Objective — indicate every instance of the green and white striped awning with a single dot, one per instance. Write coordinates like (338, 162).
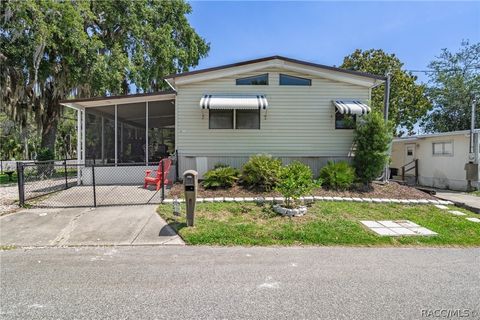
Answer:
(223, 101)
(351, 107)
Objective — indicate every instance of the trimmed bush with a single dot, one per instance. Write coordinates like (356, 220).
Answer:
(220, 165)
(221, 177)
(296, 180)
(45, 154)
(337, 175)
(262, 172)
(372, 141)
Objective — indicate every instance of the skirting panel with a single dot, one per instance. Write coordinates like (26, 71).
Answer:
(190, 162)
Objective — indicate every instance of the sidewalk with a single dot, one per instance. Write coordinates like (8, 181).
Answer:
(461, 199)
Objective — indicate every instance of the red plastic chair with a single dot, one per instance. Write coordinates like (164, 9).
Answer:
(157, 179)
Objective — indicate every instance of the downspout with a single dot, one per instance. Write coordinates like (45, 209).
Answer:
(386, 105)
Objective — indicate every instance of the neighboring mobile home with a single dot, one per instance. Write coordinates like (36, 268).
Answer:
(441, 158)
(292, 109)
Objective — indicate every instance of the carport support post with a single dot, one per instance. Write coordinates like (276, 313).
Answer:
(146, 133)
(21, 184)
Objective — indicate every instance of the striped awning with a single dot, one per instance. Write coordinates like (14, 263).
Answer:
(351, 107)
(216, 101)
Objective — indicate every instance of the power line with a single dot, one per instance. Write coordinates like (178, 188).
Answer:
(448, 70)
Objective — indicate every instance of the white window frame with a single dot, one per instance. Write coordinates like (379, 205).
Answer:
(443, 143)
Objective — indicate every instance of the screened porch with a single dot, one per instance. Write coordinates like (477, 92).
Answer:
(125, 134)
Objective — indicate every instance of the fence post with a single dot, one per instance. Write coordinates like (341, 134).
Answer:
(66, 174)
(163, 179)
(21, 184)
(93, 183)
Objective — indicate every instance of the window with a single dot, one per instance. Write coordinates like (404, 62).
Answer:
(409, 151)
(220, 119)
(247, 119)
(286, 80)
(442, 148)
(224, 119)
(260, 80)
(345, 121)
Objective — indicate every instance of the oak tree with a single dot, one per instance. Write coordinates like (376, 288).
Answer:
(52, 50)
(408, 102)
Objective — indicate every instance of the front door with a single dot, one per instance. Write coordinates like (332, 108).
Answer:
(409, 153)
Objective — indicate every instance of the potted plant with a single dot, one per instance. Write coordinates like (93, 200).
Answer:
(296, 181)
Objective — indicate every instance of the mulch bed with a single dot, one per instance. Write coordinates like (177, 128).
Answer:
(391, 190)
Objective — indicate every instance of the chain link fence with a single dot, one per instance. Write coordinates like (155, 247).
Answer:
(63, 184)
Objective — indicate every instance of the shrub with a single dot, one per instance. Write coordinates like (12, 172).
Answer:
(45, 154)
(45, 169)
(337, 175)
(221, 177)
(261, 171)
(372, 141)
(220, 165)
(296, 180)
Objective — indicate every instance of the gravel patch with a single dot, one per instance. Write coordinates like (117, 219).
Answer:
(8, 196)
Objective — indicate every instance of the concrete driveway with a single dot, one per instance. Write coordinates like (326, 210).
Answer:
(462, 199)
(123, 225)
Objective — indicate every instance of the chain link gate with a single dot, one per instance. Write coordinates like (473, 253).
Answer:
(68, 184)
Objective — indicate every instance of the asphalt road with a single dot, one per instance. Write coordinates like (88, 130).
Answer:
(239, 283)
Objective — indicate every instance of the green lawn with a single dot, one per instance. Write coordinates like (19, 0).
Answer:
(326, 223)
(476, 193)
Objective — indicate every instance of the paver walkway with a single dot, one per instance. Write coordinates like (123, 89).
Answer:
(125, 225)
(465, 200)
(397, 228)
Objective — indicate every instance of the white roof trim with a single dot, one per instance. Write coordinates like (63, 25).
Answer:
(351, 107)
(281, 64)
(225, 101)
(113, 101)
(433, 135)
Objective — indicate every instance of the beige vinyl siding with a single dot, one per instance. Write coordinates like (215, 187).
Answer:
(300, 120)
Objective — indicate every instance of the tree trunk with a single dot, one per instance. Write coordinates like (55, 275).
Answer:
(49, 127)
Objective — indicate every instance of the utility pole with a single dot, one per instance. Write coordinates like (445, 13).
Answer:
(472, 166)
(472, 127)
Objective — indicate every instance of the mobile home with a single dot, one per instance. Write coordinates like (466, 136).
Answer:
(292, 109)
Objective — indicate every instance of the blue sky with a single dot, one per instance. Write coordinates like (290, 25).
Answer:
(325, 32)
